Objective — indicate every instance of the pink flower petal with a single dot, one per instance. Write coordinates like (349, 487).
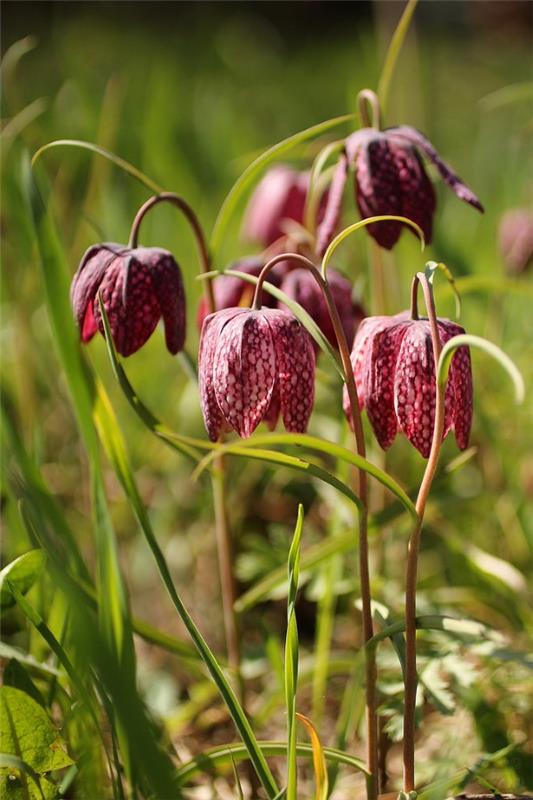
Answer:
(244, 371)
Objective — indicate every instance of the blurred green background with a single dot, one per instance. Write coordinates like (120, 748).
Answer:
(190, 93)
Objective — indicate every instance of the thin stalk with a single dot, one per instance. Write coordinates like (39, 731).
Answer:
(222, 530)
(367, 99)
(364, 572)
(192, 219)
(394, 51)
(414, 541)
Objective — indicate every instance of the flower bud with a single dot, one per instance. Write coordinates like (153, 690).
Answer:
(516, 240)
(280, 196)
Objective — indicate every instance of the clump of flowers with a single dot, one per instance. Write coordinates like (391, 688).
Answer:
(138, 287)
(254, 365)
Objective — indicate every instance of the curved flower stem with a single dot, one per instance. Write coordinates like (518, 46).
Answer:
(368, 99)
(222, 530)
(364, 572)
(414, 541)
(192, 219)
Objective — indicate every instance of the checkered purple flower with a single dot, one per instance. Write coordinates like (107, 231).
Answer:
(390, 178)
(137, 287)
(394, 371)
(254, 365)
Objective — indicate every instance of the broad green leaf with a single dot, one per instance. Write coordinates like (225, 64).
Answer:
(27, 731)
(23, 572)
(18, 781)
(314, 443)
(253, 170)
(15, 675)
(124, 165)
(319, 760)
(221, 756)
(491, 349)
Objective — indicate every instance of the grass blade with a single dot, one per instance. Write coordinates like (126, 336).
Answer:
(124, 165)
(291, 657)
(253, 170)
(319, 760)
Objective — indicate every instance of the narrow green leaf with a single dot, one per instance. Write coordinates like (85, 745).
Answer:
(221, 756)
(393, 52)
(324, 446)
(291, 657)
(124, 165)
(362, 224)
(298, 464)
(23, 572)
(491, 349)
(253, 170)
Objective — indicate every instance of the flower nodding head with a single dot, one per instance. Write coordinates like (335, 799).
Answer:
(394, 371)
(390, 179)
(280, 196)
(138, 287)
(252, 366)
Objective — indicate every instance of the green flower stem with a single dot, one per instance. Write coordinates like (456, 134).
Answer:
(364, 572)
(368, 99)
(414, 541)
(222, 530)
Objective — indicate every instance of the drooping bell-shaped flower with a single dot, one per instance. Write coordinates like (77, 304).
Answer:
(390, 179)
(515, 238)
(230, 291)
(280, 196)
(252, 366)
(300, 286)
(138, 287)
(394, 370)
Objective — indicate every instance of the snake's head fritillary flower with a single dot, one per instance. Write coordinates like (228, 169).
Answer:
(390, 179)
(280, 196)
(516, 240)
(252, 366)
(138, 287)
(300, 286)
(231, 291)
(394, 371)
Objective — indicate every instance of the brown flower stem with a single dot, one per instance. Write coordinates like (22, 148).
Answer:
(368, 99)
(364, 572)
(192, 219)
(223, 534)
(414, 541)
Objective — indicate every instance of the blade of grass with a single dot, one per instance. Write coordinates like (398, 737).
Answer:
(393, 52)
(291, 657)
(253, 170)
(124, 165)
(324, 446)
(221, 756)
(319, 759)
